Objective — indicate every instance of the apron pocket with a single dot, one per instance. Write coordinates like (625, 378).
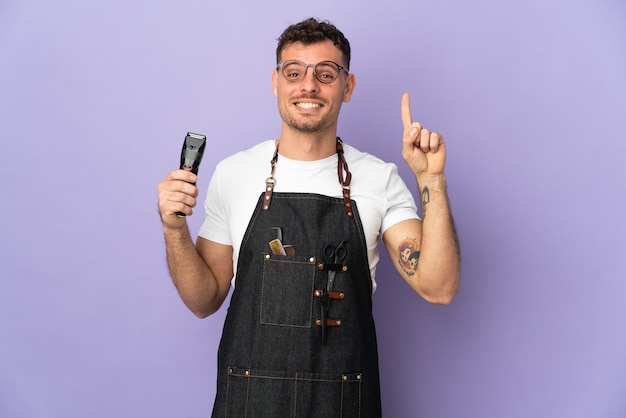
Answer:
(287, 291)
(262, 393)
(328, 395)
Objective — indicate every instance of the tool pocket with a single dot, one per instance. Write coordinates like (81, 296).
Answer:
(287, 291)
(262, 393)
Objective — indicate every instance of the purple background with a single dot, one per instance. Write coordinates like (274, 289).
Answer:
(95, 100)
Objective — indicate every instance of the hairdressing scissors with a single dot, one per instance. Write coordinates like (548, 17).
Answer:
(334, 257)
(333, 262)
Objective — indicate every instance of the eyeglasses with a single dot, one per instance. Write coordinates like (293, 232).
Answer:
(325, 72)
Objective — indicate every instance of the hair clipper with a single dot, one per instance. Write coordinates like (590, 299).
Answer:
(191, 154)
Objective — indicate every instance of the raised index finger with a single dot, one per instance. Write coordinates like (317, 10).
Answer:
(405, 110)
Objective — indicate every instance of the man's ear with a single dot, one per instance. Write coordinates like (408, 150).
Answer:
(275, 82)
(349, 89)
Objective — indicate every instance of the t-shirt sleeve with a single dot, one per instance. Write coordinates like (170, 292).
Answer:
(215, 226)
(400, 201)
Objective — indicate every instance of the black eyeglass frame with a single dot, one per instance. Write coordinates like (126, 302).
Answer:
(281, 67)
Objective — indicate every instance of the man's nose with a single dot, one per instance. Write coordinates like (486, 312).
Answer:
(309, 82)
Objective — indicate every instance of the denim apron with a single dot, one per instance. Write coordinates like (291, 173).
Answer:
(292, 346)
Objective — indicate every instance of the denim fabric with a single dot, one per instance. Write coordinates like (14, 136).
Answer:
(271, 360)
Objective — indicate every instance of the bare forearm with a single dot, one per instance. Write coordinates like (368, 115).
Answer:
(439, 263)
(191, 276)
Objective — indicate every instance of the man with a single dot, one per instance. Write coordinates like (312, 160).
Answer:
(300, 233)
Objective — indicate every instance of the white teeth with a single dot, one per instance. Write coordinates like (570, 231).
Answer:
(308, 105)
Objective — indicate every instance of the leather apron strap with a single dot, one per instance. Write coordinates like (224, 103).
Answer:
(342, 166)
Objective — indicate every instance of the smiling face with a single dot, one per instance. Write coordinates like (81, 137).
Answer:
(310, 106)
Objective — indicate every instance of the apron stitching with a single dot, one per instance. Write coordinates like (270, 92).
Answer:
(247, 394)
(295, 396)
(227, 395)
(341, 400)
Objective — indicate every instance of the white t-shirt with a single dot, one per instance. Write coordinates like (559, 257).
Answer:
(382, 198)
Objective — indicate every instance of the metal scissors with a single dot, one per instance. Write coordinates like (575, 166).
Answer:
(334, 257)
(333, 262)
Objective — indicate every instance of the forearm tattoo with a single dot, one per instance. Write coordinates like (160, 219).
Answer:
(409, 254)
(425, 200)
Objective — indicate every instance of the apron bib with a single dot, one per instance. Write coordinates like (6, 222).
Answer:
(293, 345)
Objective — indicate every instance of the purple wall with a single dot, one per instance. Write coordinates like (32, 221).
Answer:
(531, 97)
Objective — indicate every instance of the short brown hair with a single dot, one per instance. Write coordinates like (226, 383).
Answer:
(311, 31)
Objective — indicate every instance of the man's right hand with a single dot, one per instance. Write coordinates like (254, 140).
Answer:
(177, 193)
